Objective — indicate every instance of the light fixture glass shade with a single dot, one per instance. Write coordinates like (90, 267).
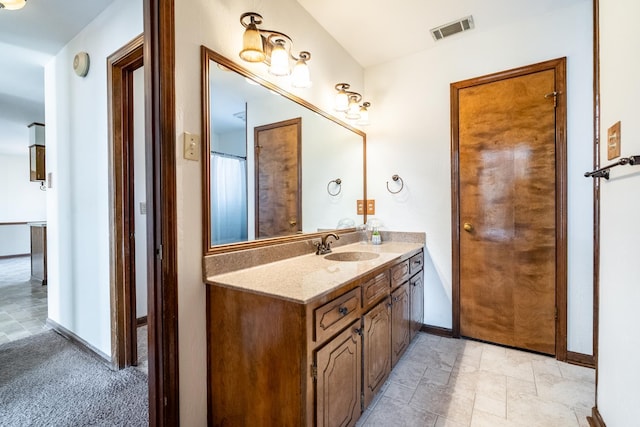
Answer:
(12, 4)
(341, 102)
(252, 50)
(300, 76)
(353, 112)
(279, 60)
(364, 116)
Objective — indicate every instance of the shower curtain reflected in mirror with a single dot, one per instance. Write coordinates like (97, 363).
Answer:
(228, 199)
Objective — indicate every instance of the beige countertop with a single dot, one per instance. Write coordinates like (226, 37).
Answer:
(304, 278)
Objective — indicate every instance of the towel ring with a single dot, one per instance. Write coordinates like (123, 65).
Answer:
(396, 177)
(338, 183)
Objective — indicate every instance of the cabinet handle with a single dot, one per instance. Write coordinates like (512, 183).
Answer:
(343, 310)
(359, 331)
(396, 299)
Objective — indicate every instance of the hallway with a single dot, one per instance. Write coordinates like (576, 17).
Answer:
(23, 303)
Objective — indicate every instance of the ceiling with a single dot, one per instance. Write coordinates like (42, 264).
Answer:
(372, 31)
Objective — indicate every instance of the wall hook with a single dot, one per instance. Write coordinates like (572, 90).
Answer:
(396, 177)
(338, 183)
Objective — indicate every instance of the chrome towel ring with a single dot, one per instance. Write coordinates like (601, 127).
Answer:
(396, 177)
(338, 183)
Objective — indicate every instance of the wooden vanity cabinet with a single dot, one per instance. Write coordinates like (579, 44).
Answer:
(339, 379)
(273, 361)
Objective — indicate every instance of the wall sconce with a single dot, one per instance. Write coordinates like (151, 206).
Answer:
(348, 102)
(12, 4)
(274, 49)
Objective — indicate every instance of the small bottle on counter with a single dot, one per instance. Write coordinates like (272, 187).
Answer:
(375, 236)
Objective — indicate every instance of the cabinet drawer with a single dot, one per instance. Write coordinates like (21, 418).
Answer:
(336, 314)
(399, 273)
(415, 263)
(375, 288)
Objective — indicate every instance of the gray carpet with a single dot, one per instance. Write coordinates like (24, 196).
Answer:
(47, 381)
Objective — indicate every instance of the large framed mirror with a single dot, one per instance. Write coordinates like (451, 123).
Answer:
(275, 167)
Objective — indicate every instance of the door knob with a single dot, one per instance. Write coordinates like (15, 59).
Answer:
(292, 222)
(467, 227)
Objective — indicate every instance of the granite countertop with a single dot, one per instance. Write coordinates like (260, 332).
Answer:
(307, 277)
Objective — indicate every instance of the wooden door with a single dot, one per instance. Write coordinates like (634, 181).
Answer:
(400, 322)
(278, 178)
(510, 200)
(339, 380)
(377, 349)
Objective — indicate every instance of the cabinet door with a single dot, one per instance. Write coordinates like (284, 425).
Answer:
(339, 379)
(417, 303)
(377, 349)
(400, 322)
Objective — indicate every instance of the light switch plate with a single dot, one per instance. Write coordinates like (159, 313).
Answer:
(360, 207)
(191, 146)
(613, 141)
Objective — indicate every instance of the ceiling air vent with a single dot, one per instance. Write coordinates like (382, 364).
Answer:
(452, 28)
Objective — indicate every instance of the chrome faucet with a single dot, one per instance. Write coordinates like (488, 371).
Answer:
(324, 247)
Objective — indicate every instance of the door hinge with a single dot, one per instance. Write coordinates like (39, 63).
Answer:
(314, 372)
(159, 252)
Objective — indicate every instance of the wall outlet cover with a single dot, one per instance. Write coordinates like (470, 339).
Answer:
(360, 207)
(614, 138)
(371, 207)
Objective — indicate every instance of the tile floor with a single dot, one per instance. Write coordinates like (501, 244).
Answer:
(23, 303)
(454, 382)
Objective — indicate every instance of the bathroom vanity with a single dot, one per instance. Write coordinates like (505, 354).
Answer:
(310, 340)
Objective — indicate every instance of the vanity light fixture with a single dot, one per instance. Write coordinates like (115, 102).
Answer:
(12, 4)
(348, 102)
(274, 49)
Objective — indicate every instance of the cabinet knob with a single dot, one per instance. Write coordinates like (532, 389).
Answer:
(343, 310)
(359, 331)
(467, 227)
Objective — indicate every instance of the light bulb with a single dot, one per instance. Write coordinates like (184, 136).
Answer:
(300, 75)
(279, 59)
(252, 49)
(353, 112)
(342, 101)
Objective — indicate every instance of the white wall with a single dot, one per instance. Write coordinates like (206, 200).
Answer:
(619, 342)
(140, 192)
(215, 24)
(78, 158)
(20, 201)
(415, 143)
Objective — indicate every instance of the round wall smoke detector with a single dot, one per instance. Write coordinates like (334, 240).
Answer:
(81, 64)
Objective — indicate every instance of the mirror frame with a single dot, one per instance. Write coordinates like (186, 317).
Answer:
(208, 55)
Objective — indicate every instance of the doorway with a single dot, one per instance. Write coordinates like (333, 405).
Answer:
(278, 178)
(128, 206)
(509, 208)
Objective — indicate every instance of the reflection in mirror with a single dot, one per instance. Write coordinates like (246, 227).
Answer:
(270, 159)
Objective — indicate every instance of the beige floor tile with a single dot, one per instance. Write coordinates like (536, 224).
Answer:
(568, 392)
(492, 385)
(497, 407)
(389, 412)
(399, 392)
(438, 400)
(483, 419)
(520, 388)
(445, 422)
(536, 412)
(546, 366)
(508, 366)
(577, 373)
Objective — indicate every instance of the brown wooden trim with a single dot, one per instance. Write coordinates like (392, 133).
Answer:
(17, 223)
(595, 420)
(596, 184)
(210, 55)
(81, 343)
(120, 68)
(162, 243)
(559, 67)
(141, 321)
(581, 359)
(437, 330)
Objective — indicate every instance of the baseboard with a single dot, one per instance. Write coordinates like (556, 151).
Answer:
(437, 330)
(14, 256)
(581, 359)
(595, 420)
(141, 321)
(82, 344)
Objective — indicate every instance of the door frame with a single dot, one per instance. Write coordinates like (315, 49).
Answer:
(559, 68)
(120, 68)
